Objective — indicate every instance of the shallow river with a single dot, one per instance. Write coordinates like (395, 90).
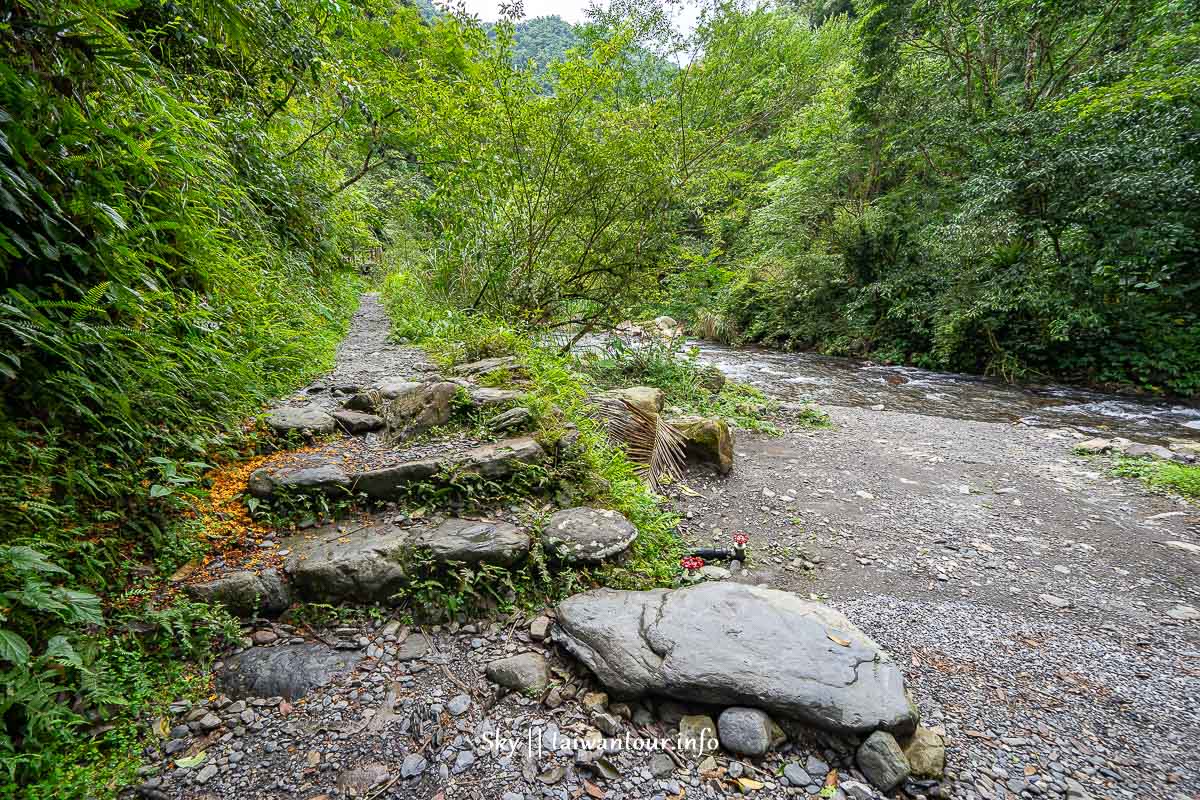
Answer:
(846, 382)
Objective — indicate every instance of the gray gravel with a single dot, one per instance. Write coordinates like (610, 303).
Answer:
(1025, 592)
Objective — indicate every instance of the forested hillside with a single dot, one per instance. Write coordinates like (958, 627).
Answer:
(997, 187)
(189, 189)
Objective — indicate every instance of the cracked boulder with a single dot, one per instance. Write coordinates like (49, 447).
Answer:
(734, 644)
(357, 421)
(587, 535)
(417, 407)
(328, 479)
(474, 542)
(288, 671)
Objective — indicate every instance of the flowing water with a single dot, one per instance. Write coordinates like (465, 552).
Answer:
(847, 382)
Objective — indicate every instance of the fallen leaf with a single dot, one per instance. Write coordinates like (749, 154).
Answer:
(194, 761)
(593, 790)
(689, 491)
(606, 769)
(749, 784)
(832, 778)
(162, 728)
(838, 640)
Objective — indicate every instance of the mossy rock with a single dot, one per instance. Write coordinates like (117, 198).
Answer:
(708, 440)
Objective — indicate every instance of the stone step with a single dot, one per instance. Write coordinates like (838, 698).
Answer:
(372, 561)
(336, 474)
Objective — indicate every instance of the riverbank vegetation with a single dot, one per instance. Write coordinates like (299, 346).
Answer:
(187, 191)
(1167, 476)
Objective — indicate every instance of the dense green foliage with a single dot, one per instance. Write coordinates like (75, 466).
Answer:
(999, 187)
(1180, 479)
(180, 200)
(1006, 188)
(542, 41)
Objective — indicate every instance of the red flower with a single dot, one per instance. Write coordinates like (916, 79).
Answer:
(740, 538)
(691, 563)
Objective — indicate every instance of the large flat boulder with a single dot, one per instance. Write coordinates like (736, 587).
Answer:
(734, 644)
(484, 397)
(501, 460)
(289, 671)
(328, 565)
(357, 421)
(304, 420)
(388, 482)
(587, 535)
(490, 366)
(245, 592)
(649, 399)
(474, 542)
(498, 460)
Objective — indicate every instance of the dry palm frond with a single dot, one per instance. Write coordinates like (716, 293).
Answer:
(653, 444)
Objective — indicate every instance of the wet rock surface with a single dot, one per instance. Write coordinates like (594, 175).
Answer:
(246, 592)
(333, 564)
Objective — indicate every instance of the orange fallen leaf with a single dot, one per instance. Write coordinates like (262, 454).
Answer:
(838, 640)
(593, 790)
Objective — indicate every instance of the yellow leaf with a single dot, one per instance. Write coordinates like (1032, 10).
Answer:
(749, 784)
(838, 640)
